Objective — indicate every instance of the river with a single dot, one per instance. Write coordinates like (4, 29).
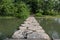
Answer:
(51, 26)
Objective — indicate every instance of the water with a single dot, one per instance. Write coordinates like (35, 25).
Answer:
(8, 26)
(51, 26)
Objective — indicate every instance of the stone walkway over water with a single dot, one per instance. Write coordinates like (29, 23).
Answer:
(30, 30)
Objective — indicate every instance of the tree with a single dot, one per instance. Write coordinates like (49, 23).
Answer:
(23, 10)
(46, 6)
(32, 5)
(7, 7)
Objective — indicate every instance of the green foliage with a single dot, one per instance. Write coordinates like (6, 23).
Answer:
(49, 7)
(38, 14)
(7, 7)
(40, 11)
(52, 12)
(23, 10)
(18, 9)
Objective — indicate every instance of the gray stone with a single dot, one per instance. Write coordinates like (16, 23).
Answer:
(22, 28)
(17, 34)
(31, 29)
(34, 35)
(40, 31)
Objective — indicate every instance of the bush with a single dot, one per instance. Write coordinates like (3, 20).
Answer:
(17, 9)
(52, 12)
(40, 11)
(23, 10)
(7, 8)
(38, 14)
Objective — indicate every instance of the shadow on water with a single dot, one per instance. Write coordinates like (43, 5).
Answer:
(54, 35)
(51, 26)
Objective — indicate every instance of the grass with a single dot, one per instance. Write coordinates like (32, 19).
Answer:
(8, 25)
(48, 16)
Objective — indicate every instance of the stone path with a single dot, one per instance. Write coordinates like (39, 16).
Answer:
(30, 29)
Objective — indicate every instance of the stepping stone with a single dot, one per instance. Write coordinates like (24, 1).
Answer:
(25, 25)
(18, 34)
(22, 28)
(34, 30)
(34, 35)
(27, 22)
(45, 36)
(40, 31)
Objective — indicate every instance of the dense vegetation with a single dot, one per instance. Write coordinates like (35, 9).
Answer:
(14, 8)
(23, 8)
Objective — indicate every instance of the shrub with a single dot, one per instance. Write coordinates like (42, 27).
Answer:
(38, 14)
(52, 12)
(40, 11)
(23, 10)
(7, 8)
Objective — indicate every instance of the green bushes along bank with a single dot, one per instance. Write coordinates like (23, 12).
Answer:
(23, 8)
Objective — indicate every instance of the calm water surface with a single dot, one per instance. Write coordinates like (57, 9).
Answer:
(51, 26)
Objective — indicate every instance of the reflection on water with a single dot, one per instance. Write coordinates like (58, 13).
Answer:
(55, 35)
(51, 26)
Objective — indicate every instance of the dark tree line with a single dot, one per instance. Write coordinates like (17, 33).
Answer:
(23, 8)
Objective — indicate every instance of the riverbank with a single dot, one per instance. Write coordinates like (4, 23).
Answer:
(48, 16)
